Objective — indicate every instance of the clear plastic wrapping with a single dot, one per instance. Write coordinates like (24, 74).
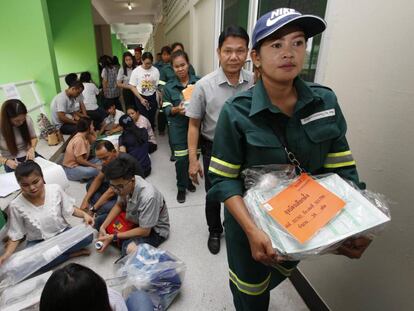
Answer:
(155, 271)
(365, 212)
(27, 261)
(25, 295)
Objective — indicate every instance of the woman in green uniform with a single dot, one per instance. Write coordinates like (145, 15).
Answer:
(174, 106)
(281, 114)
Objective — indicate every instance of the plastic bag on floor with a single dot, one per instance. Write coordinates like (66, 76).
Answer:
(365, 213)
(155, 271)
(25, 295)
(27, 261)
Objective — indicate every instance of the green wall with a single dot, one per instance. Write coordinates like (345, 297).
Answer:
(26, 51)
(73, 36)
(117, 47)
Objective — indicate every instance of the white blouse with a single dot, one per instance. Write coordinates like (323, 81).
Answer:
(40, 222)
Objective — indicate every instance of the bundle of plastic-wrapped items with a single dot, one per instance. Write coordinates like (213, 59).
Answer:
(287, 207)
(28, 261)
(153, 270)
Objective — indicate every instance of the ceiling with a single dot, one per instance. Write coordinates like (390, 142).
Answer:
(131, 26)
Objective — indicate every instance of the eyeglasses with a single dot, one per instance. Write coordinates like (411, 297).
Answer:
(120, 187)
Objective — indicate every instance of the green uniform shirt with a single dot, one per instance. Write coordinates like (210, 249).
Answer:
(173, 96)
(167, 73)
(245, 137)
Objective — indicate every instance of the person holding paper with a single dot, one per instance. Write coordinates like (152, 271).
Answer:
(174, 105)
(40, 212)
(18, 138)
(281, 120)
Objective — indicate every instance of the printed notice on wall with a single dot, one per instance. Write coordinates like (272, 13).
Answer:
(304, 207)
(11, 91)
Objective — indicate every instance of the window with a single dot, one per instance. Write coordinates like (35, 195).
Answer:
(235, 12)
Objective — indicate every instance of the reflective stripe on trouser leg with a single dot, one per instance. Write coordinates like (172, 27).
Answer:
(250, 281)
(181, 166)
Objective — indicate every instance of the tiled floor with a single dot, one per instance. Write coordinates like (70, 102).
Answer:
(205, 285)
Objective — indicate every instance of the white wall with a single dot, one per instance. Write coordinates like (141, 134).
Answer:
(367, 58)
(191, 22)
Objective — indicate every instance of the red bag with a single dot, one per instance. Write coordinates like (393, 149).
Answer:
(120, 224)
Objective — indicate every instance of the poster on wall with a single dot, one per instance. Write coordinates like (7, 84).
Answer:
(11, 91)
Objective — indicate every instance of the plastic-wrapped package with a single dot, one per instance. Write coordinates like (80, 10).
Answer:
(27, 261)
(364, 214)
(153, 270)
(25, 295)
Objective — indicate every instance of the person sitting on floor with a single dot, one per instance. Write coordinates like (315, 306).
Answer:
(66, 108)
(141, 205)
(100, 198)
(143, 122)
(40, 212)
(111, 122)
(76, 162)
(69, 289)
(18, 138)
(90, 91)
(134, 140)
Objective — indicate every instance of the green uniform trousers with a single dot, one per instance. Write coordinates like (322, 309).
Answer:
(181, 165)
(250, 281)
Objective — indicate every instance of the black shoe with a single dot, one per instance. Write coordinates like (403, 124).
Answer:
(191, 186)
(213, 243)
(181, 196)
(172, 159)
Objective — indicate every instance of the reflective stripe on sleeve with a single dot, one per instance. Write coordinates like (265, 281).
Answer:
(223, 168)
(181, 153)
(166, 104)
(247, 288)
(199, 151)
(160, 82)
(339, 159)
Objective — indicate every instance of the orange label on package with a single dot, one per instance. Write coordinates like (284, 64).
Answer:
(188, 91)
(304, 207)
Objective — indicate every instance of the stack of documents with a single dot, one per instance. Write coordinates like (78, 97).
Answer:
(358, 215)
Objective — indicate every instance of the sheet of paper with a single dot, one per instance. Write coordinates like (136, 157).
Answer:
(114, 139)
(357, 216)
(52, 172)
(304, 207)
(11, 91)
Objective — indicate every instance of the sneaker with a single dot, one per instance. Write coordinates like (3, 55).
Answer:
(213, 243)
(191, 186)
(181, 196)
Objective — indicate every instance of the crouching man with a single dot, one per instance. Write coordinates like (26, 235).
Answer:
(140, 214)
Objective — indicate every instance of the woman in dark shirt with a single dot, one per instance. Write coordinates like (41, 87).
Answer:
(134, 141)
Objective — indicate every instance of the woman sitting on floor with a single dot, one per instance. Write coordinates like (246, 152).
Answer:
(134, 141)
(143, 122)
(17, 135)
(76, 163)
(40, 212)
(70, 289)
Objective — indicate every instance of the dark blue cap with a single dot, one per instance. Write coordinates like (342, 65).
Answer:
(278, 18)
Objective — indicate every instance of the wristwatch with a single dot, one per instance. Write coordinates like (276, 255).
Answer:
(115, 237)
(92, 208)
